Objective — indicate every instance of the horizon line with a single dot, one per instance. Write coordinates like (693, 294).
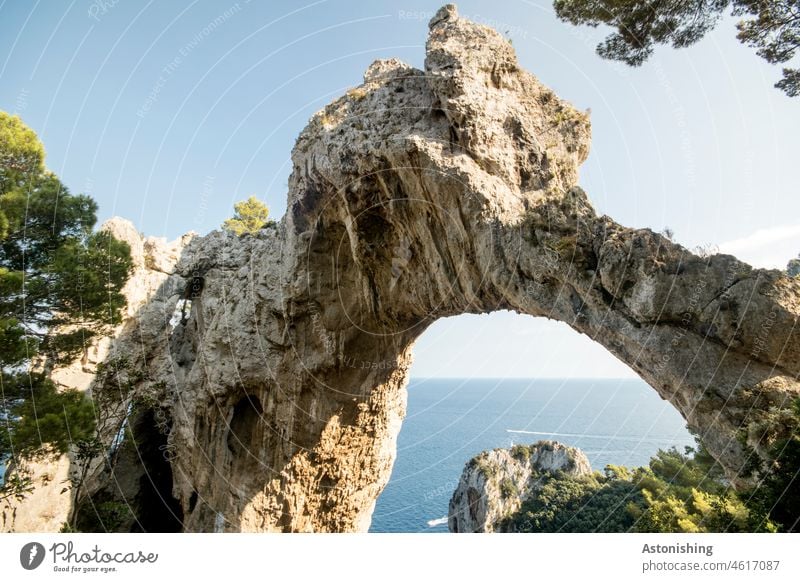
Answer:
(525, 378)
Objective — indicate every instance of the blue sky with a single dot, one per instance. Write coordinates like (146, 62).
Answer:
(168, 113)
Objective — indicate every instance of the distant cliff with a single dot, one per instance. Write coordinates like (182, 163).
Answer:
(494, 484)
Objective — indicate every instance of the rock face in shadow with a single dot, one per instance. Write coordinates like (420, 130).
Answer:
(494, 484)
(269, 371)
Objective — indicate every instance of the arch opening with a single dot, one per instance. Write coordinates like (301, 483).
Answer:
(480, 382)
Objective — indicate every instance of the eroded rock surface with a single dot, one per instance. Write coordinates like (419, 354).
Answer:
(273, 400)
(48, 507)
(494, 484)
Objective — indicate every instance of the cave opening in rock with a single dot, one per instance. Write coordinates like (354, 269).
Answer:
(244, 435)
(480, 382)
(157, 509)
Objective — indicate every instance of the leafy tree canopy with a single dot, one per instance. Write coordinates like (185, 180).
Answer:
(43, 415)
(21, 152)
(778, 492)
(60, 284)
(250, 216)
(677, 492)
(772, 27)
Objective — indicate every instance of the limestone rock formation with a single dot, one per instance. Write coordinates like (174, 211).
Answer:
(49, 505)
(264, 381)
(494, 484)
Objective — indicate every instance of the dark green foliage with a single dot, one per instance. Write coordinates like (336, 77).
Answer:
(790, 84)
(589, 504)
(60, 284)
(687, 493)
(778, 494)
(41, 415)
(71, 275)
(489, 470)
(16, 485)
(522, 452)
(102, 516)
(683, 472)
(641, 25)
(42, 215)
(21, 155)
(772, 27)
(677, 492)
(508, 488)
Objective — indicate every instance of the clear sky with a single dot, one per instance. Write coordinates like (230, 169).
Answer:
(167, 113)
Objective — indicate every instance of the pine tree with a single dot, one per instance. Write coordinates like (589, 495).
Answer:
(250, 216)
(60, 285)
(772, 27)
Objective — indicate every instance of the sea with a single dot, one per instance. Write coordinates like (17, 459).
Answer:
(449, 421)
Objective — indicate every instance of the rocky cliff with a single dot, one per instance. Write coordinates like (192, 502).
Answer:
(263, 383)
(494, 484)
(49, 505)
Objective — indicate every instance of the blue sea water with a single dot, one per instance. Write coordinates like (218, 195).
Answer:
(621, 422)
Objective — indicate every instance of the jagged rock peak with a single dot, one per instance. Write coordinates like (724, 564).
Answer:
(148, 252)
(448, 12)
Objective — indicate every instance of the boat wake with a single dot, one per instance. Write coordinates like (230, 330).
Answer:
(595, 436)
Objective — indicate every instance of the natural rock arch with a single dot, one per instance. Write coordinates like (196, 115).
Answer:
(419, 195)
